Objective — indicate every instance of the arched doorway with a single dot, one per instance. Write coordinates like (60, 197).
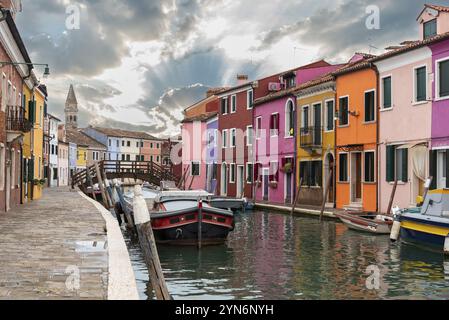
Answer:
(328, 166)
(224, 179)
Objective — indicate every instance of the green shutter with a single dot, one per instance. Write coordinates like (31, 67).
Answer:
(390, 163)
(31, 111)
(387, 92)
(444, 78)
(421, 85)
(404, 177)
(433, 169)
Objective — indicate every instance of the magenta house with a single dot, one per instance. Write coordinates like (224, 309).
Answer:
(275, 133)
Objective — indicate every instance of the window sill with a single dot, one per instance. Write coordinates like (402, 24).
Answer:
(343, 182)
(386, 109)
(344, 126)
(400, 183)
(288, 137)
(329, 131)
(419, 103)
(370, 182)
(369, 122)
(442, 98)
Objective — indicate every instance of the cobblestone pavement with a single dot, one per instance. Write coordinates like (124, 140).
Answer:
(53, 248)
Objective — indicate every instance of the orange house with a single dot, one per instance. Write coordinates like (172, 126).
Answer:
(356, 137)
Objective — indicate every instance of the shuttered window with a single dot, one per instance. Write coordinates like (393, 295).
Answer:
(369, 167)
(330, 115)
(421, 85)
(344, 111)
(369, 106)
(343, 167)
(386, 97)
(224, 106)
(444, 78)
(397, 164)
(430, 28)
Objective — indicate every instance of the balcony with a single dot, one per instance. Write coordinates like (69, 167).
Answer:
(311, 138)
(16, 123)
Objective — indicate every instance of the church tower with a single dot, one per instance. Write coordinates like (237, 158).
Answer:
(71, 110)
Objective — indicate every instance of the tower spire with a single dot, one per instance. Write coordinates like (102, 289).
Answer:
(71, 109)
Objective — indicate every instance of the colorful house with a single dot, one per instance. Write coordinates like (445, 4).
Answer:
(356, 135)
(436, 19)
(52, 168)
(315, 161)
(274, 123)
(212, 155)
(39, 109)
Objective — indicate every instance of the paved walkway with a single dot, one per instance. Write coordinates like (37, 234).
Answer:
(54, 248)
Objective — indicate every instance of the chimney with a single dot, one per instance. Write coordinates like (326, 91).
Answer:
(242, 79)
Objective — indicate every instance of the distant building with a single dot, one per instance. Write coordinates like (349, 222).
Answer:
(52, 168)
(71, 109)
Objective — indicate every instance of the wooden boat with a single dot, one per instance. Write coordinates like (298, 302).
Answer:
(228, 203)
(428, 226)
(375, 224)
(176, 217)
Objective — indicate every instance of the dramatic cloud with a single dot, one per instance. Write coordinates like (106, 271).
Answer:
(137, 64)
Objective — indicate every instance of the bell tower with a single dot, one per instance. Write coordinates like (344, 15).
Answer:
(71, 110)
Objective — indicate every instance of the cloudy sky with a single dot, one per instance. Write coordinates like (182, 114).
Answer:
(136, 64)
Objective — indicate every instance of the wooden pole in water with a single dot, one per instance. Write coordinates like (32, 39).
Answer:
(393, 193)
(101, 185)
(148, 245)
(200, 223)
(326, 192)
(297, 197)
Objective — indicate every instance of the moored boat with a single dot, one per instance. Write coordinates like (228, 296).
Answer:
(376, 224)
(427, 227)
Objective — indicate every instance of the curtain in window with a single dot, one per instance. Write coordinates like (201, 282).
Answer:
(418, 156)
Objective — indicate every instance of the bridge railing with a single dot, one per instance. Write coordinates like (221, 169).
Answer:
(147, 170)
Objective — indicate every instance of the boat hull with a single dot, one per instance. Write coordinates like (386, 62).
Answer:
(360, 223)
(424, 233)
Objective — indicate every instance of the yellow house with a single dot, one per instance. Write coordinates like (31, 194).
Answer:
(81, 157)
(316, 140)
(34, 101)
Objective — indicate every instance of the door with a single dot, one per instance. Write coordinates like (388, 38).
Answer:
(266, 178)
(288, 188)
(356, 177)
(329, 171)
(224, 179)
(442, 169)
(240, 186)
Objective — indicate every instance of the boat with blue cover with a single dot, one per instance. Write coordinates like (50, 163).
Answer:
(427, 226)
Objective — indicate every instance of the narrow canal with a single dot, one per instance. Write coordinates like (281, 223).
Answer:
(274, 256)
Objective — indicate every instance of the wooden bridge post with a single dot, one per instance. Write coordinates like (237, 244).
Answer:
(91, 184)
(148, 245)
(101, 185)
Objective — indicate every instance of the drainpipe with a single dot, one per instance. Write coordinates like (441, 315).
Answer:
(335, 143)
(374, 68)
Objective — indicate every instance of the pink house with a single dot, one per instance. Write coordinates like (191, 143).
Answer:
(194, 133)
(275, 132)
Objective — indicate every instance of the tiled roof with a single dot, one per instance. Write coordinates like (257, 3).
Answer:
(119, 133)
(202, 117)
(326, 78)
(82, 139)
(437, 7)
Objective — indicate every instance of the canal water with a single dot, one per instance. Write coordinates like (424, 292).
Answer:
(274, 256)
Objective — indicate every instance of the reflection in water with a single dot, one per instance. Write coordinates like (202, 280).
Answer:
(272, 256)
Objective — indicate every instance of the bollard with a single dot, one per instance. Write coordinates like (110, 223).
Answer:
(148, 244)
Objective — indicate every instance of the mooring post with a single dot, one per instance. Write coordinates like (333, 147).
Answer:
(200, 223)
(109, 193)
(101, 185)
(148, 244)
(296, 198)
(326, 192)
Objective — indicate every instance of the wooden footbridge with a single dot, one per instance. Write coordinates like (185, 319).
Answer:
(147, 171)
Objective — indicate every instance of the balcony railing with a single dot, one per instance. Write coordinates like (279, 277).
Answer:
(16, 121)
(311, 137)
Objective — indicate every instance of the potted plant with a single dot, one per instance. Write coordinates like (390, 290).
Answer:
(273, 184)
(288, 167)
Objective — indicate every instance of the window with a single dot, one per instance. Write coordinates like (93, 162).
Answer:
(443, 79)
(386, 93)
(421, 84)
(330, 115)
(233, 104)
(397, 164)
(224, 106)
(274, 171)
(344, 111)
(118, 143)
(274, 125)
(232, 173)
(249, 135)
(369, 166)
(290, 82)
(157, 159)
(430, 28)
(225, 139)
(123, 143)
(370, 109)
(305, 117)
(289, 119)
(233, 138)
(311, 173)
(343, 168)
(151, 145)
(249, 173)
(128, 157)
(249, 99)
(157, 145)
(110, 142)
(128, 143)
(137, 144)
(259, 128)
(151, 158)
(195, 169)
(55, 173)
(123, 157)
